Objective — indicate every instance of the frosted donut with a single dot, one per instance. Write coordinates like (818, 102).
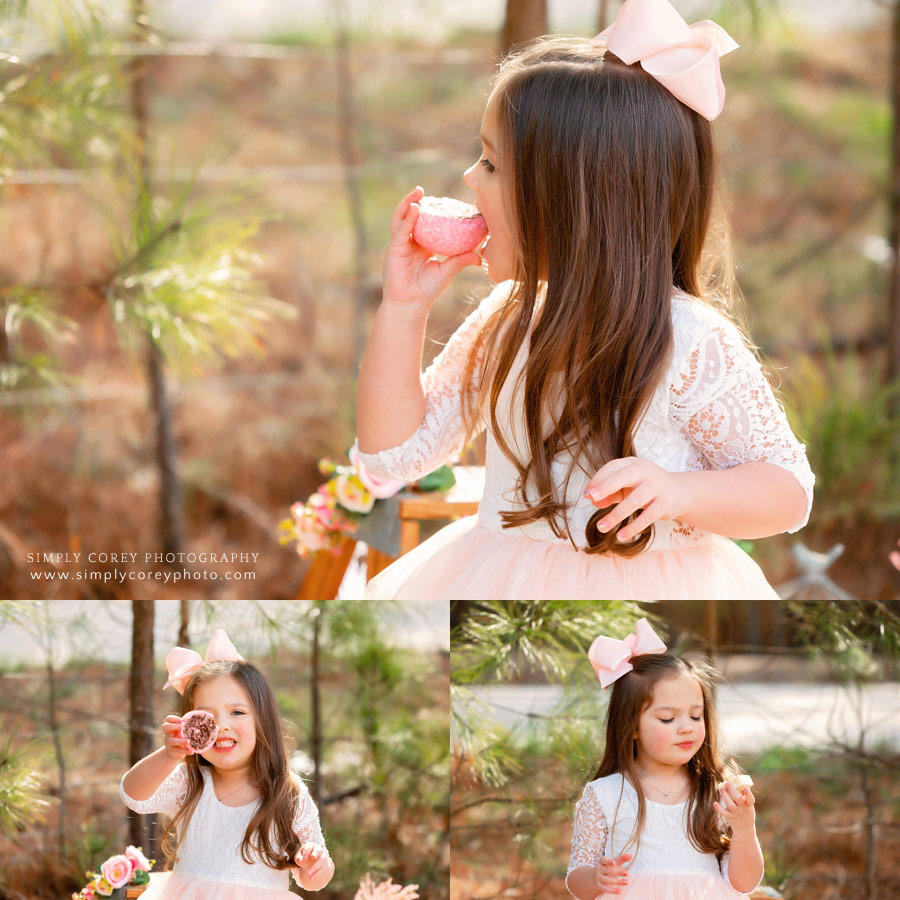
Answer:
(739, 781)
(200, 730)
(448, 227)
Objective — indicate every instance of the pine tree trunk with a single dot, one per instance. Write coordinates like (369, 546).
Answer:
(184, 639)
(525, 20)
(893, 361)
(316, 736)
(346, 130)
(60, 759)
(141, 718)
(603, 15)
(170, 505)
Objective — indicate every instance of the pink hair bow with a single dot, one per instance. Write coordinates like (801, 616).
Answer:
(683, 58)
(181, 663)
(611, 658)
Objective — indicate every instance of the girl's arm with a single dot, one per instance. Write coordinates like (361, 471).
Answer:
(751, 500)
(143, 779)
(314, 865)
(590, 873)
(759, 482)
(390, 401)
(745, 865)
(158, 783)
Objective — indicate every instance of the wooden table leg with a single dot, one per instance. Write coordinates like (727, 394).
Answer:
(376, 562)
(324, 576)
(409, 535)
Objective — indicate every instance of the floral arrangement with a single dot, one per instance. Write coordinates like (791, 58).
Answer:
(130, 867)
(385, 890)
(338, 505)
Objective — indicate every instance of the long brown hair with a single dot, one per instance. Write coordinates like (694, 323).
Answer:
(631, 695)
(610, 185)
(269, 834)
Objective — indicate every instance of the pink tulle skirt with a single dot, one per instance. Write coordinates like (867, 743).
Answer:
(172, 886)
(642, 886)
(466, 561)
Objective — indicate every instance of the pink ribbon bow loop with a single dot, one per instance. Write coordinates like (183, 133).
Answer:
(683, 58)
(181, 663)
(611, 658)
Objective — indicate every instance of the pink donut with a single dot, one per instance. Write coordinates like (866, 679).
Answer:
(200, 730)
(448, 227)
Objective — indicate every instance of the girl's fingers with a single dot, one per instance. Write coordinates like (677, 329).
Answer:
(403, 208)
(641, 523)
(610, 500)
(628, 475)
(614, 465)
(632, 503)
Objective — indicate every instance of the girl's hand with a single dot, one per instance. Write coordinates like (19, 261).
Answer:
(311, 858)
(609, 875)
(177, 747)
(634, 483)
(737, 807)
(409, 276)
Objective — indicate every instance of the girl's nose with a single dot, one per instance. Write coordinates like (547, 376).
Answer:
(468, 176)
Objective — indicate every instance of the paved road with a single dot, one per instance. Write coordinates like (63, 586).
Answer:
(101, 629)
(753, 715)
(432, 20)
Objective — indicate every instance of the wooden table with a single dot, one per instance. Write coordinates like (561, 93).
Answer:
(324, 576)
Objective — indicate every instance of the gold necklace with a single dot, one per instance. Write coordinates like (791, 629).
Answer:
(655, 788)
(240, 787)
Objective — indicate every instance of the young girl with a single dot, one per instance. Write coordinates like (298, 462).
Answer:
(630, 431)
(242, 818)
(652, 823)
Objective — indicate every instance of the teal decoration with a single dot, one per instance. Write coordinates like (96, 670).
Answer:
(441, 479)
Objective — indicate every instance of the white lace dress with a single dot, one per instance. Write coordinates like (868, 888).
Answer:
(666, 866)
(209, 864)
(714, 409)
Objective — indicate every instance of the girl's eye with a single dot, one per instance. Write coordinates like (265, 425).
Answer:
(237, 712)
(696, 718)
(488, 165)
(666, 721)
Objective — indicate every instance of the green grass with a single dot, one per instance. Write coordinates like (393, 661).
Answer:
(798, 760)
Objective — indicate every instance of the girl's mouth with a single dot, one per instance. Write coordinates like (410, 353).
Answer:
(223, 745)
(685, 745)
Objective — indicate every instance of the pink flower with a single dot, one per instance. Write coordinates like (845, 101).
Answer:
(101, 886)
(308, 532)
(137, 859)
(117, 870)
(377, 487)
(352, 494)
(385, 890)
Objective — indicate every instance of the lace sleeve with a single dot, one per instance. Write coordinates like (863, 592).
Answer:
(306, 823)
(588, 833)
(306, 820)
(439, 438)
(166, 799)
(720, 397)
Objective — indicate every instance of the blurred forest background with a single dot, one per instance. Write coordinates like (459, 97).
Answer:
(367, 716)
(809, 707)
(194, 235)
